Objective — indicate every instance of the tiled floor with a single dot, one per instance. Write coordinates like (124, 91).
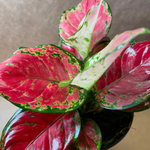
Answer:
(29, 23)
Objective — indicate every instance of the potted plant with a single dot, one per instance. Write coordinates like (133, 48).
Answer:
(64, 92)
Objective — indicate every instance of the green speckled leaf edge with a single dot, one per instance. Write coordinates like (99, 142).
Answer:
(69, 26)
(81, 40)
(28, 124)
(25, 52)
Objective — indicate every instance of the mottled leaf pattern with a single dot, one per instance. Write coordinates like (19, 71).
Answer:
(143, 106)
(97, 47)
(79, 19)
(30, 78)
(90, 137)
(24, 127)
(100, 62)
(60, 135)
(81, 40)
(126, 83)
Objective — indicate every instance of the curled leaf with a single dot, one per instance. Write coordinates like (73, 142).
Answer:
(84, 25)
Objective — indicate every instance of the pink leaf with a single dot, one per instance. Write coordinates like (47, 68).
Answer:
(90, 136)
(97, 47)
(126, 82)
(32, 130)
(101, 61)
(143, 106)
(71, 19)
(30, 78)
(60, 135)
(24, 127)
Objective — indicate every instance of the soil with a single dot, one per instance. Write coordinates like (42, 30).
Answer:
(114, 125)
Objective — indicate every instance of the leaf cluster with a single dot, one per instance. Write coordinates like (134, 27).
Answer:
(55, 86)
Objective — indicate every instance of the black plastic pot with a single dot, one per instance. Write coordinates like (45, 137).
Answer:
(118, 139)
(114, 126)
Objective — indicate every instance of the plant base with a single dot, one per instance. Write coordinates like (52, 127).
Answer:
(114, 125)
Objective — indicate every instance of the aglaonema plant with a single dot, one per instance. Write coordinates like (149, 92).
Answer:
(56, 86)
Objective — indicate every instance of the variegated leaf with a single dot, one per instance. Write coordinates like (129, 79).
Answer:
(143, 106)
(41, 130)
(83, 26)
(90, 137)
(59, 136)
(30, 79)
(126, 83)
(24, 127)
(100, 62)
(97, 47)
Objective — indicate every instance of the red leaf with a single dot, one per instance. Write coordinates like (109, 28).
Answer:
(70, 20)
(24, 127)
(60, 135)
(30, 78)
(143, 106)
(90, 136)
(28, 129)
(126, 83)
